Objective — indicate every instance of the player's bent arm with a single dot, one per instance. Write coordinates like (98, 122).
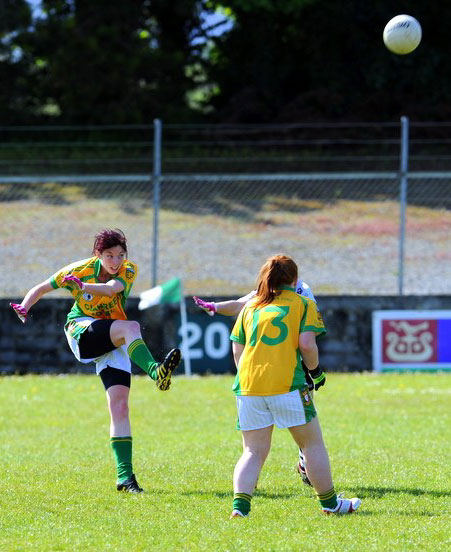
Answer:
(109, 289)
(309, 349)
(237, 350)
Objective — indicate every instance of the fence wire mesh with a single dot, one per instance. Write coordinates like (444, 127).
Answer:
(228, 197)
(428, 234)
(343, 230)
(216, 230)
(50, 222)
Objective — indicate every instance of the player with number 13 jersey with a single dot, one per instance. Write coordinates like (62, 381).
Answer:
(271, 325)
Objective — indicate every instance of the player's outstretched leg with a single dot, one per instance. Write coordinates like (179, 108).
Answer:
(128, 332)
(166, 368)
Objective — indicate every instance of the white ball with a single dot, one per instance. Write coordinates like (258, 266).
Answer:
(402, 34)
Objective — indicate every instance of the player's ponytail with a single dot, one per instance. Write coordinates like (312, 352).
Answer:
(278, 271)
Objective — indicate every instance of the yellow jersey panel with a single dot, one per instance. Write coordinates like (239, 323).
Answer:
(271, 361)
(96, 306)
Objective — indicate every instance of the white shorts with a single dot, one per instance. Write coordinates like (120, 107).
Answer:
(286, 410)
(118, 358)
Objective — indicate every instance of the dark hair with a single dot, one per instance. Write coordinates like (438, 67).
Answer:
(278, 271)
(105, 239)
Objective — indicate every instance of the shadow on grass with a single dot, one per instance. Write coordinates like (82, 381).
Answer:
(379, 492)
(218, 494)
(228, 494)
(277, 495)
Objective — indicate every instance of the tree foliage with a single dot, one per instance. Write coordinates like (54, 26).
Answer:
(15, 73)
(111, 61)
(325, 59)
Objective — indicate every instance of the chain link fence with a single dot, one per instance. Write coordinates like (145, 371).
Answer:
(343, 231)
(224, 205)
(48, 222)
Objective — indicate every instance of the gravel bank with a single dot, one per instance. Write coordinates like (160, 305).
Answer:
(344, 248)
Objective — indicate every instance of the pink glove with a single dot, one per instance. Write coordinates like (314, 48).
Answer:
(21, 312)
(209, 308)
(71, 278)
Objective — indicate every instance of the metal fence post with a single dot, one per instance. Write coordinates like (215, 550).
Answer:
(403, 198)
(156, 177)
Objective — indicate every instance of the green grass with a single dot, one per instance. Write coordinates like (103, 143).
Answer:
(388, 438)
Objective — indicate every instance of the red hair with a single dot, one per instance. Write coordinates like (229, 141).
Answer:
(105, 239)
(278, 271)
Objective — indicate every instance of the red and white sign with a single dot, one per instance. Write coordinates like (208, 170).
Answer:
(413, 340)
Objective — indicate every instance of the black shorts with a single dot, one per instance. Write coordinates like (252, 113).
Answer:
(95, 341)
(113, 376)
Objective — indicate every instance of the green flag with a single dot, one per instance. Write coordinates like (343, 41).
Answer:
(169, 292)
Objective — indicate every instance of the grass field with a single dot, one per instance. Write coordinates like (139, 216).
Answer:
(388, 437)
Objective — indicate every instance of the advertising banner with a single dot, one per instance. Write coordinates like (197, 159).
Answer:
(208, 343)
(411, 340)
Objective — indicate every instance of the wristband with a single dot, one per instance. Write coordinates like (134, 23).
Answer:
(319, 378)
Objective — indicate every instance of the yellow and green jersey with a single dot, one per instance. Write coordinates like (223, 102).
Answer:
(271, 361)
(96, 306)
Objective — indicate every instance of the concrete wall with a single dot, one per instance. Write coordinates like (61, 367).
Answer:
(40, 345)
(347, 347)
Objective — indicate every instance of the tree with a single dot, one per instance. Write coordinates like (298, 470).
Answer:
(15, 75)
(112, 61)
(312, 59)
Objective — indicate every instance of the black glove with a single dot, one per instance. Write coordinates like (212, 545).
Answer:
(308, 377)
(318, 377)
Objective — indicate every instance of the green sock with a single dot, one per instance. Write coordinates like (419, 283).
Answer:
(328, 499)
(242, 502)
(122, 449)
(140, 354)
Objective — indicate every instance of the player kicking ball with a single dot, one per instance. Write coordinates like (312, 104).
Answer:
(97, 330)
(315, 379)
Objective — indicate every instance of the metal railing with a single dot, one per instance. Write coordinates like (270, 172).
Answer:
(209, 204)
